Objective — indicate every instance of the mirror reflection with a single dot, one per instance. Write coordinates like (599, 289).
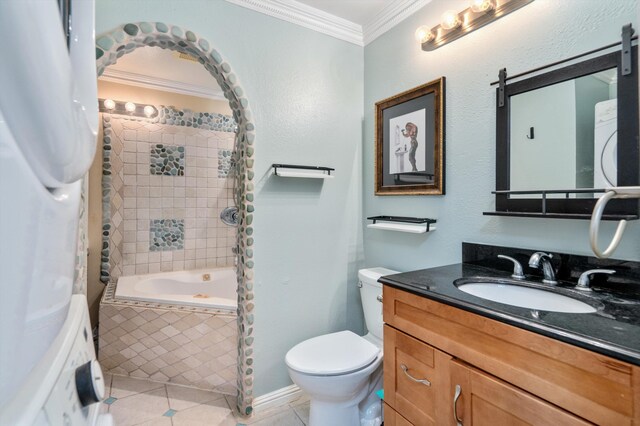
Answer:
(564, 136)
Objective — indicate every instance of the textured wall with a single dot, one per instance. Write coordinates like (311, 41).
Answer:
(305, 90)
(541, 32)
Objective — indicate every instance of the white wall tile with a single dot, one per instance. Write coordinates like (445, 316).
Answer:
(196, 198)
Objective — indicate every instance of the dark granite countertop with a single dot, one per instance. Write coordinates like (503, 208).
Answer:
(614, 330)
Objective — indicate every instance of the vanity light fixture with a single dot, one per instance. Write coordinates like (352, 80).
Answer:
(424, 34)
(109, 104)
(455, 25)
(450, 20)
(482, 5)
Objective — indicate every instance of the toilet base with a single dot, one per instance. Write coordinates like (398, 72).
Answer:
(365, 409)
(327, 413)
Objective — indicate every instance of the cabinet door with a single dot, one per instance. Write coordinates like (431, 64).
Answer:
(391, 418)
(416, 378)
(487, 400)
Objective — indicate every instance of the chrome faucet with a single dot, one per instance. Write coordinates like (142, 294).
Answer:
(584, 281)
(547, 268)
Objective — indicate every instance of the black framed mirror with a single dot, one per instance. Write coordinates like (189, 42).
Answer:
(563, 135)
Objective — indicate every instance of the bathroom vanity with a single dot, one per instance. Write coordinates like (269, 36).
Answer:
(453, 358)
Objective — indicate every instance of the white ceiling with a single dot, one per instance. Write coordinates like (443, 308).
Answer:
(361, 12)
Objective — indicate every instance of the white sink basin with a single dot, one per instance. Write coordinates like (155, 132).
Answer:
(526, 297)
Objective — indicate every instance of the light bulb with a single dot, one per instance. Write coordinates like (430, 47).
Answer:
(423, 34)
(450, 20)
(149, 110)
(109, 104)
(482, 5)
(130, 107)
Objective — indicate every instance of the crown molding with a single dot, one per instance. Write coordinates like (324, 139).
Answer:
(306, 16)
(390, 16)
(165, 85)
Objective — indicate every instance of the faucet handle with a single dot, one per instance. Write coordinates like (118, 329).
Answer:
(518, 274)
(583, 281)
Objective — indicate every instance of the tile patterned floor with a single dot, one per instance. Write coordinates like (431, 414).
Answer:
(141, 402)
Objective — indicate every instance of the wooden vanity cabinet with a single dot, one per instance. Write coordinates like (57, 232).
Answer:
(506, 375)
(416, 378)
(487, 400)
(392, 418)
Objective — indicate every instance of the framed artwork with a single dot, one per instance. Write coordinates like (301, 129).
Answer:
(409, 152)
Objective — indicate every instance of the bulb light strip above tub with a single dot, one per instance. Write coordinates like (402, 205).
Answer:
(455, 25)
(127, 108)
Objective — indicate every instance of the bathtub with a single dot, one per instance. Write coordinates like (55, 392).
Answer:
(207, 288)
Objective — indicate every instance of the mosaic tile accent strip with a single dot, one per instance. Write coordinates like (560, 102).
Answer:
(107, 195)
(225, 162)
(166, 234)
(166, 160)
(128, 37)
(202, 120)
(170, 346)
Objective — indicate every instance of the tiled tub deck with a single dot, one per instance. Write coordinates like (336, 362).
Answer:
(168, 343)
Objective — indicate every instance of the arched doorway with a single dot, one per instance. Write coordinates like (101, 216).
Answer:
(128, 37)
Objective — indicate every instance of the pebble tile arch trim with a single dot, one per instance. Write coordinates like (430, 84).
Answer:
(125, 39)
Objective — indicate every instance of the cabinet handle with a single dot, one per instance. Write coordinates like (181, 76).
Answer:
(379, 298)
(406, 371)
(456, 396)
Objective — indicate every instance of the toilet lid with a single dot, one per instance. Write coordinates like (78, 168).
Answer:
(330, 354)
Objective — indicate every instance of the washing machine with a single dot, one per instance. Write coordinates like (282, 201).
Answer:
(49, 374)
(605, 152)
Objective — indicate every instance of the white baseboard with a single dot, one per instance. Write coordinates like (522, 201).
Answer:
(277, 398)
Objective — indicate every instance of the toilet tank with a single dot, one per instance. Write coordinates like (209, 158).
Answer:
(370, 289)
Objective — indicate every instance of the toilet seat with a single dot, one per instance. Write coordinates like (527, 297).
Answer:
(332, 354)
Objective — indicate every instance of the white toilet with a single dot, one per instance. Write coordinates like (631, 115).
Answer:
(342, 371)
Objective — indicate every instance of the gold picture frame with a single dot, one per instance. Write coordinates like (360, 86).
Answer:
(409, 146)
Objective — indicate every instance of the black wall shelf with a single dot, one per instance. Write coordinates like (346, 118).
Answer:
(544, 201)
(585, 216)
(405, 220)
(306, 171)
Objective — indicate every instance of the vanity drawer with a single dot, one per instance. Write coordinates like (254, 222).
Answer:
(595, 387)
(415, 378)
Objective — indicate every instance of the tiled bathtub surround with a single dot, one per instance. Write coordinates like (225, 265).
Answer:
(166, 222)
(128, 37)
(189, 346)
(201, 120)
(225, 162)
(166, 160)
(166, 234)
